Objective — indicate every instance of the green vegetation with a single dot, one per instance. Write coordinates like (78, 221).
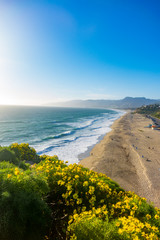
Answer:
(19, 154)
(53, 200)
(25, 153)
(153, 110)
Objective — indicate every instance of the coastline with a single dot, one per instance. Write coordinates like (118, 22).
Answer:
(86, 154)
(129, 154)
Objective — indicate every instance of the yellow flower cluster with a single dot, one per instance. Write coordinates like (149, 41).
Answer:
(128, 204)
(16, 172)
(85, 194)
(92, 195)
(79, 185)
(24, 151)
(135, 228)
(95, 212)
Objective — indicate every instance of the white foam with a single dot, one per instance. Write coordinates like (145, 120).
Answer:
(69, 147)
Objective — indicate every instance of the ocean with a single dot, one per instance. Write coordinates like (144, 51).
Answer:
(65, 132)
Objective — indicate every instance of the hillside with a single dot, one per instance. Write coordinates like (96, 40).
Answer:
(126, 103)
(153, 110)
(52, 200)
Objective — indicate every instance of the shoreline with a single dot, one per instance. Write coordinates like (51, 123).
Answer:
(86, 154)
(129, 154)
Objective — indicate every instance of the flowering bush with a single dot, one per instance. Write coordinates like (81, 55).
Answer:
(24, 152)
(52, 200)
(94, 225)
(23, 211)
(91, 202)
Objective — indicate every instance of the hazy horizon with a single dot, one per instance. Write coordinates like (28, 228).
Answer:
(58, 103)
(57, 51)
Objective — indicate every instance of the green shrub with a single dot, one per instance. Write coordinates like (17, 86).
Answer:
(6, 166)
(25, 153)
(8, 155)
(24, 165)
(95, 224)
(23, 212)
(92, 227)
(69, 202)
(75, 190)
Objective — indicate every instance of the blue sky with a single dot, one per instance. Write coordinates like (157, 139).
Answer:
(62, 50)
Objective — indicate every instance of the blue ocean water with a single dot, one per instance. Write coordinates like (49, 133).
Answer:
(66, 132)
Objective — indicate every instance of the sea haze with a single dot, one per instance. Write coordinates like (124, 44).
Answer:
(66, 132)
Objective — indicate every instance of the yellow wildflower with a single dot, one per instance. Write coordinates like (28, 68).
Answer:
(91, 189)
(75, 196)
(16, 172)
(156, 216)
(148, 216)
(85, 184)
(117, 224)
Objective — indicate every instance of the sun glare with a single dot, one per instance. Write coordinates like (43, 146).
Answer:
(6, 100)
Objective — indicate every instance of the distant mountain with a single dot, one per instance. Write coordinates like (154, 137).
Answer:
(126, 103)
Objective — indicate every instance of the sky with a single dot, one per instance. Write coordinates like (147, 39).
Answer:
(53, 51)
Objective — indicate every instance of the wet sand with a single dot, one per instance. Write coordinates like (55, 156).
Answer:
(130, 155)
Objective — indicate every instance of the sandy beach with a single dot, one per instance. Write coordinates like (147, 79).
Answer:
(130, 155)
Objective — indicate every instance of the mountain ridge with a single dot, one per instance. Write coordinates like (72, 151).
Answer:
(125, 103)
